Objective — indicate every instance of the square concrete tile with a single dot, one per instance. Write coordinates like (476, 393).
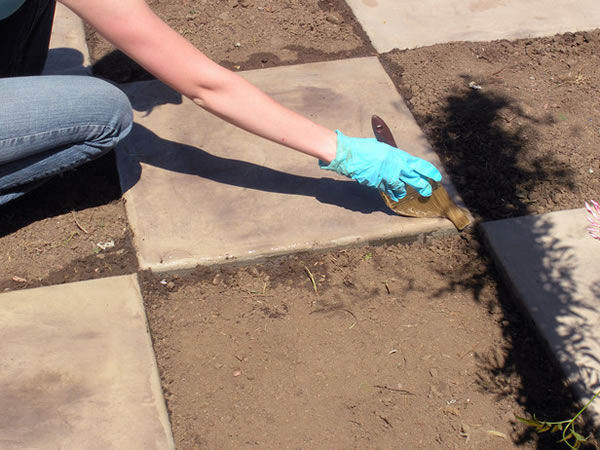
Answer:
(78, 369)
(551, 263)
(200, 191)
(399, 24)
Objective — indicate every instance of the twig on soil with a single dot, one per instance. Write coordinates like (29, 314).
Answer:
(498, 72)
(470, 351)
(387, 422)
(312, 279)
(78, 224)
(351, 313)
(253, 293)
(400, 391)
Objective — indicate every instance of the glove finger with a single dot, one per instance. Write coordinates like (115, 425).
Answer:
(425, 168)
(419, 183)
(395, 190)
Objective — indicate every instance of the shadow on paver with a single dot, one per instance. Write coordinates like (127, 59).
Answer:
(63, 61)
(181, 158)
(120, 68)
(484, 160)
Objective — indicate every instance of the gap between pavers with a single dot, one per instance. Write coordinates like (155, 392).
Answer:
(200, 191)
(68, 54)
(551, 264)
(399, 24)
(78, 369)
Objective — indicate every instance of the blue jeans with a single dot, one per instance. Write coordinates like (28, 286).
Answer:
(50, 124)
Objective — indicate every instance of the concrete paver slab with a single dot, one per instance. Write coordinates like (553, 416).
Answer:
(200, 191)
(78, 369)
(68, 53)
(399, 24)
(552, 265)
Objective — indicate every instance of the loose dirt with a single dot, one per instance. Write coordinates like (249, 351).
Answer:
(400, 346)
(410, 345)
(248, 34)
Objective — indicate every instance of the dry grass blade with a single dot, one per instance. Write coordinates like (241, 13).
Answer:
(78, 224)
(312, 279)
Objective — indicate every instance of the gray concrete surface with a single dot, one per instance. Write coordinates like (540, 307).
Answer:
(200, 191)
(78, 369)
(68, 54)
(551, 263)
(402, 24)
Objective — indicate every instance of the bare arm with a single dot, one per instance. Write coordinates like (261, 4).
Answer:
(134, 28)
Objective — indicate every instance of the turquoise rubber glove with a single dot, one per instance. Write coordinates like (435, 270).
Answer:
(381, 166)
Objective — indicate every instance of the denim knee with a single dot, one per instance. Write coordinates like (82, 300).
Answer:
(55, 123)
(38, 114)
(113, 100)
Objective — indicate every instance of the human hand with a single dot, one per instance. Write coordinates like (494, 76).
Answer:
(381, 166)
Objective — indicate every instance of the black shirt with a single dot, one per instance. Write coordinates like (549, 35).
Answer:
(24, 38)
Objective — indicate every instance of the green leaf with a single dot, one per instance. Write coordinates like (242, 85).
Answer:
(529, 422)
(578, 436)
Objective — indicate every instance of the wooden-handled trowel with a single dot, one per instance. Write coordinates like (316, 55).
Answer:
(414, 205)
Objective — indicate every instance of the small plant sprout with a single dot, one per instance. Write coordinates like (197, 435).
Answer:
(594, 209)
(569, 436)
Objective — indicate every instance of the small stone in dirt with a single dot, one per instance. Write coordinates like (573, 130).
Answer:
(217, 279)
(332, 18)
(237, 373)
(433, 372)
(170, 285)
(106, 245)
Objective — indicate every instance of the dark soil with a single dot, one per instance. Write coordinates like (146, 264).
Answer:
(399, 346)
(51, 235)
(247, 34)
(528, 140)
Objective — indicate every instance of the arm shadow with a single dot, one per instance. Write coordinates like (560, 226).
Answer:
(144, 146)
